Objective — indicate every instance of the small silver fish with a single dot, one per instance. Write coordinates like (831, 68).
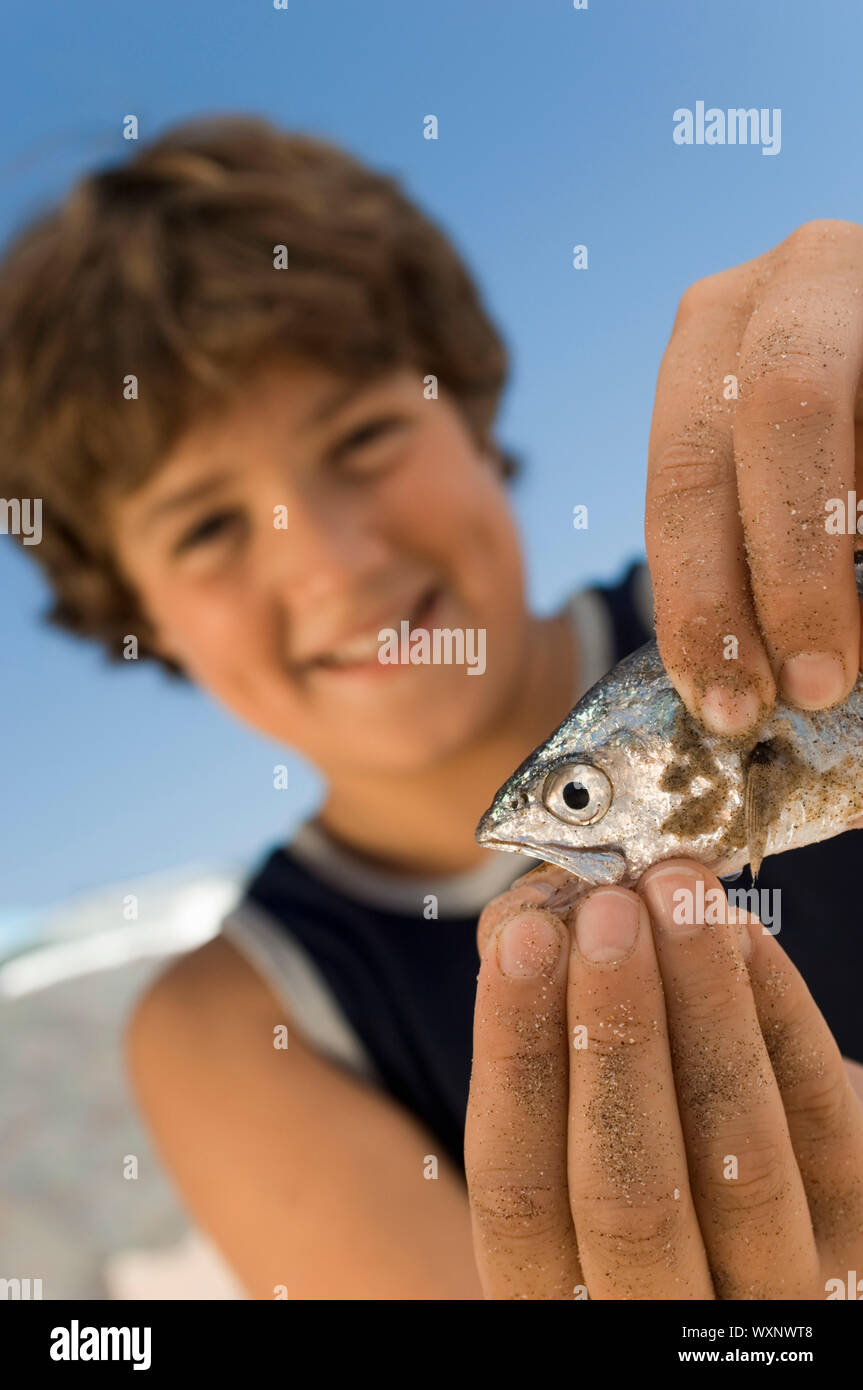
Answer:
(630, 778)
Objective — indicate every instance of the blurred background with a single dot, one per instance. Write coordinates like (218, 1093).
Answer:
(132, 809)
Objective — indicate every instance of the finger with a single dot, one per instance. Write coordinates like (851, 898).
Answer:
(534, 887)
(747, 1189)
(515, 1136)
(825, 1117)
(637, 1232)
(794, 440)
(706, 624)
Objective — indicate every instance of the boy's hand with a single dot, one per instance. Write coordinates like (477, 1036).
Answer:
(757, 426)
(672, 1122)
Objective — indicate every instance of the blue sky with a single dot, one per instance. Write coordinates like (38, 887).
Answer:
(555, 129)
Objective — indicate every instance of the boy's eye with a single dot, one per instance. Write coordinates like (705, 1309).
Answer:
(216, 527)
(366, 435)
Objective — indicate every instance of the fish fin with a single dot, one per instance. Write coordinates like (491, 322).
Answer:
(764, 776)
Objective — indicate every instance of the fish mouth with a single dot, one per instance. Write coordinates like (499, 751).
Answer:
(601, 865)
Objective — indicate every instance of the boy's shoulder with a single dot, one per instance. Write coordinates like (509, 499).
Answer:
(192, 980)
(199, 1002)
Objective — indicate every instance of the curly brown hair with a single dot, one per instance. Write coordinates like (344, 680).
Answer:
(162, 268)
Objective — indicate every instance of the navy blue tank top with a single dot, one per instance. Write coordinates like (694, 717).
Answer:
(407, 985)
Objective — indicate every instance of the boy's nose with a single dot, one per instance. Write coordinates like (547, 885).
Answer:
(320, 554)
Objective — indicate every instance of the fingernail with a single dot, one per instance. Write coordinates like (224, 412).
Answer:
(528, 945)
(606, 926)
(671, 897)
(730, 712)
(812, 679)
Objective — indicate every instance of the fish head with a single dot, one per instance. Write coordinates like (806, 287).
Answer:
(627, 779)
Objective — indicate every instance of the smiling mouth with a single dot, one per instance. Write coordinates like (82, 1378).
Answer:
(363, 651)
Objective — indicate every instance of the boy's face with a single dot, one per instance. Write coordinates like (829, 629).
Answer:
(392, 513)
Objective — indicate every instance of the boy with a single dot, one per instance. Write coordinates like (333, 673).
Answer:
(240, 326)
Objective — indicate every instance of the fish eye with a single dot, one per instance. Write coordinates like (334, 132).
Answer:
(578, 793)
